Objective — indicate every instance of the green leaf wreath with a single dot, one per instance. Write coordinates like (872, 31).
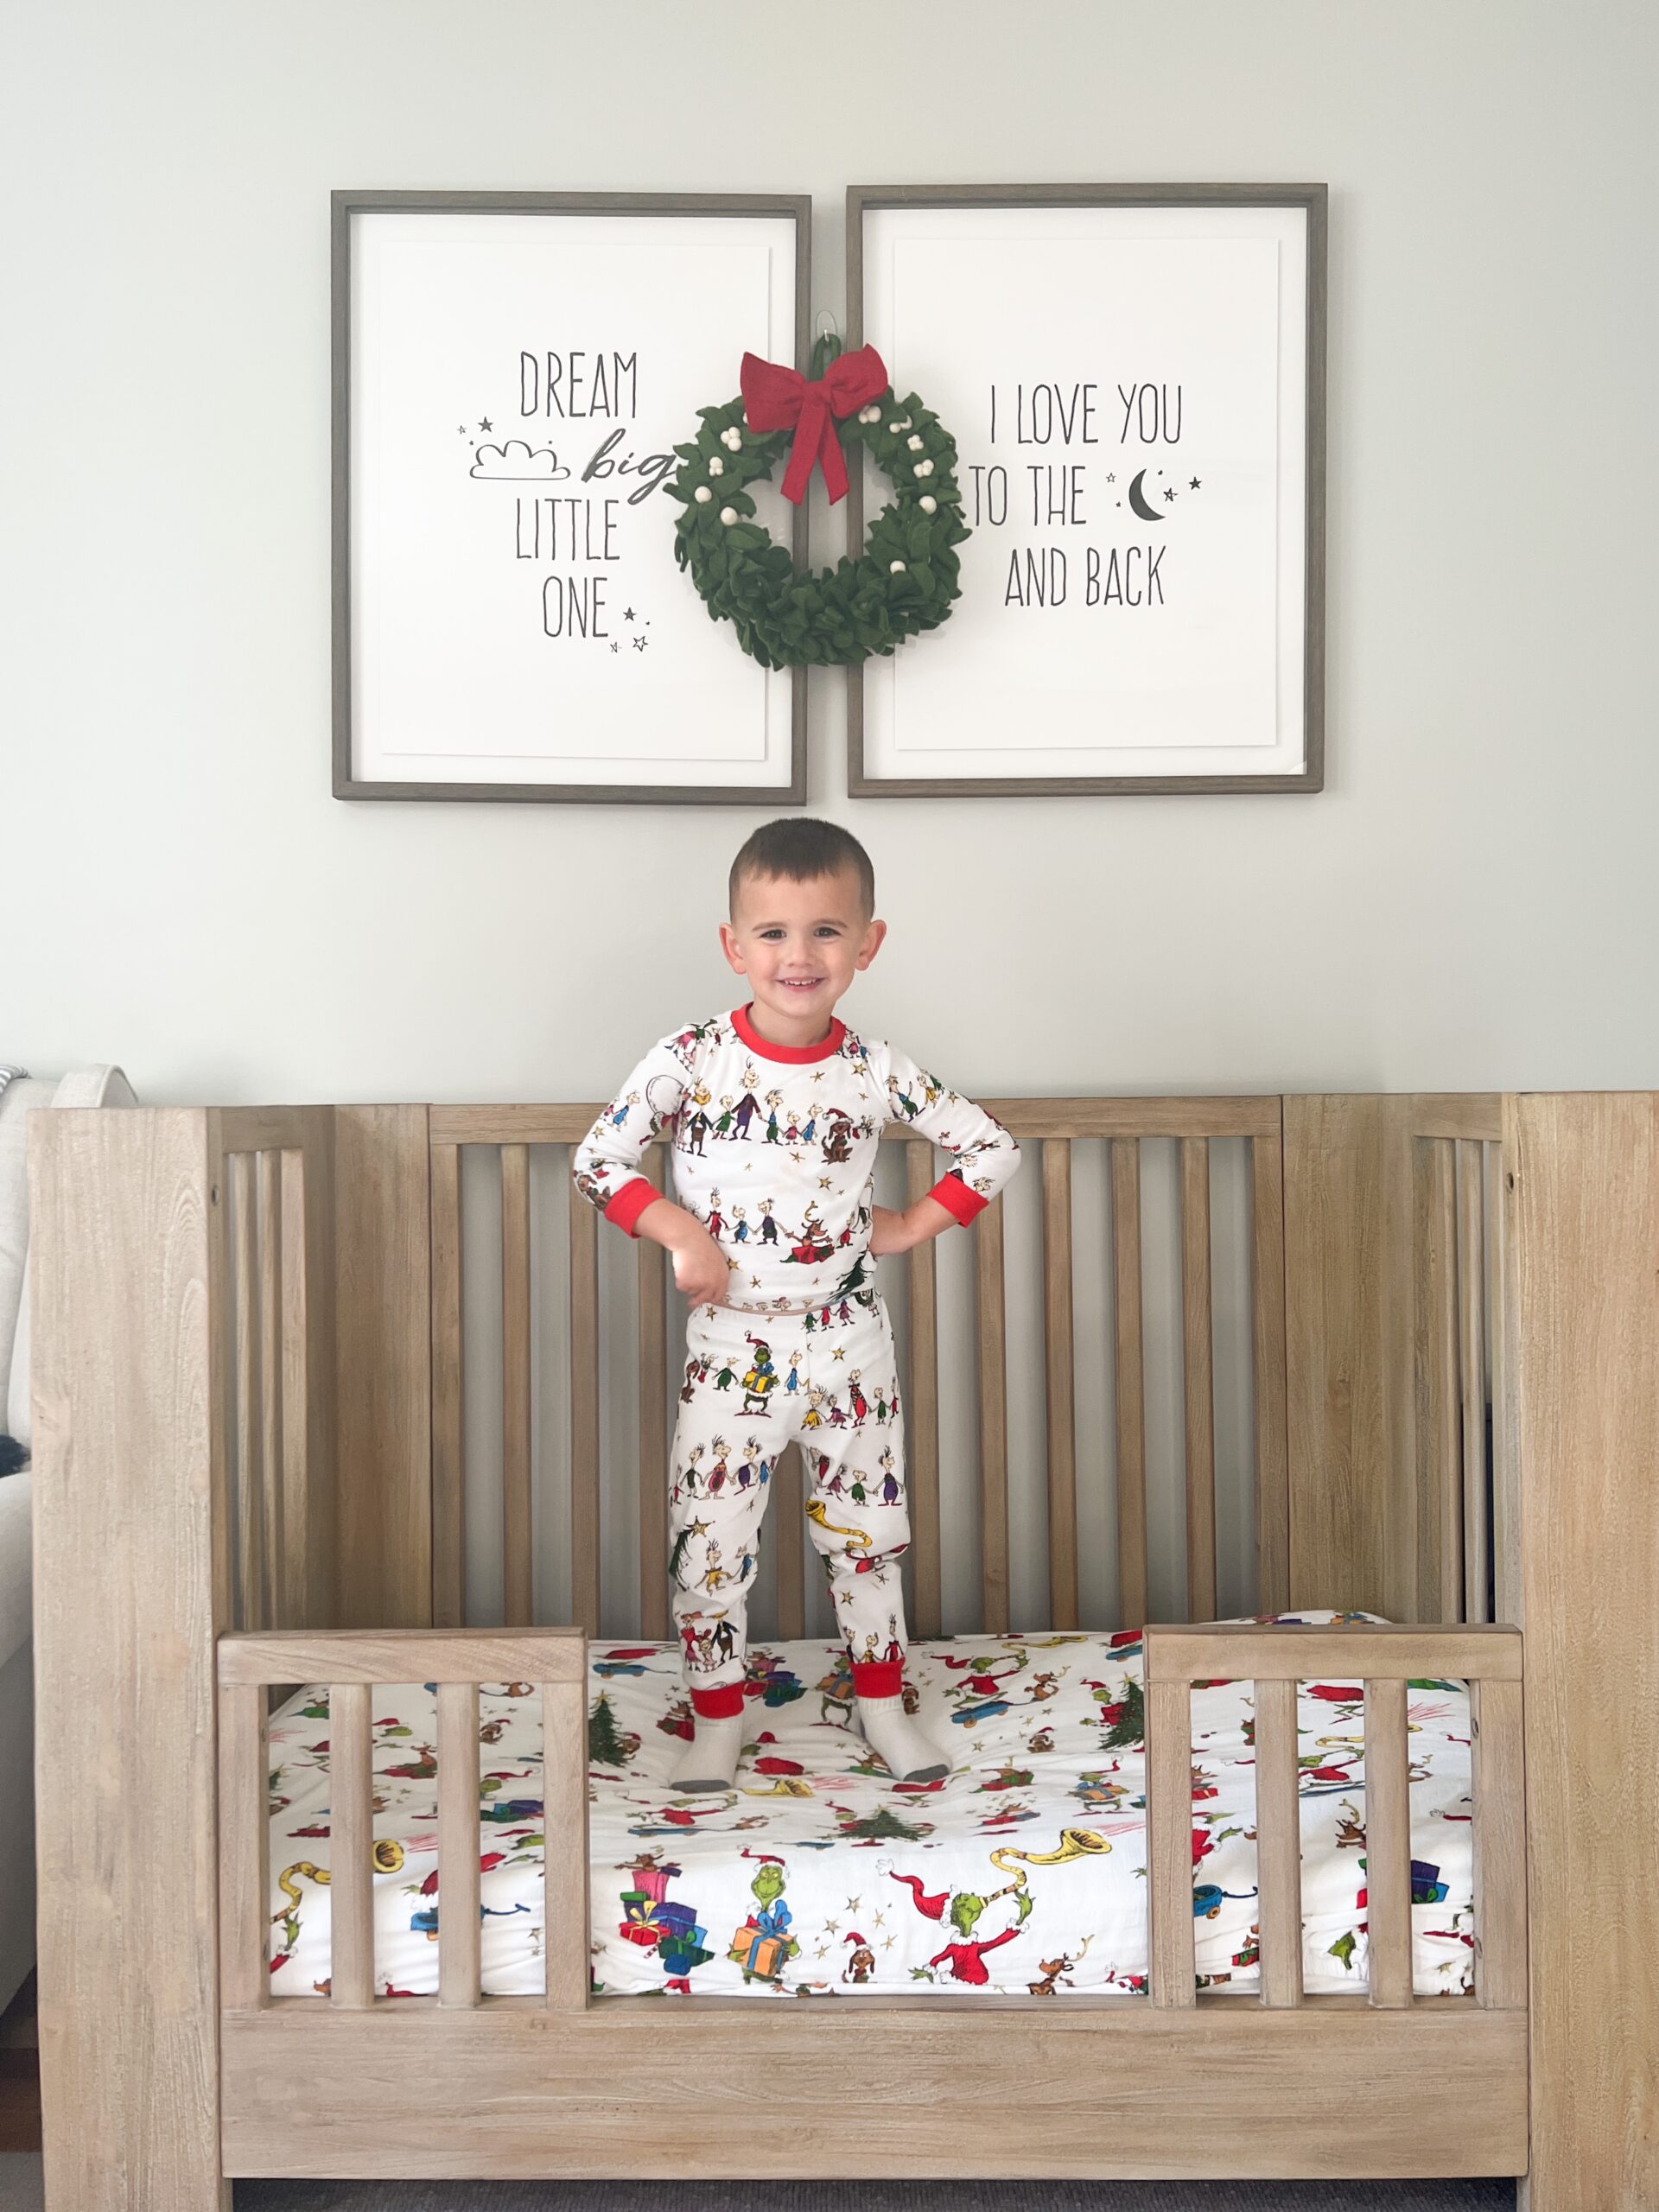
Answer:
(901, 584)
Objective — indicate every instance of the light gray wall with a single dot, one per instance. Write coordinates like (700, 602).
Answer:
(1471, 902)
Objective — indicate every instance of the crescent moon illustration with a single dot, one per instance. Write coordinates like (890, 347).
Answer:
(1146, 513)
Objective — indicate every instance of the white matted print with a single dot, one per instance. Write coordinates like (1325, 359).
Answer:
(511, 376)
(1137, 400)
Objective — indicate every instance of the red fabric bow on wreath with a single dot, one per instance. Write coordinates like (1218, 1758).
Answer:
(777, 398)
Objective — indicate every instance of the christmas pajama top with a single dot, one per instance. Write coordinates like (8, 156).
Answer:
(774, 1149)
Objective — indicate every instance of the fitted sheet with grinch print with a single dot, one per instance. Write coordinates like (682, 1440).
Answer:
(1023, 1871)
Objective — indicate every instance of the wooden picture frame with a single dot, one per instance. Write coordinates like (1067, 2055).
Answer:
(365, 766)
(873, 771)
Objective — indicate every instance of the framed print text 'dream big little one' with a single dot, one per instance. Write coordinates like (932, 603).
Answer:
(510, 371)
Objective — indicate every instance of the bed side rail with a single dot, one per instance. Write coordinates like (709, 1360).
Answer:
(350, 1663)
(1385, 1658)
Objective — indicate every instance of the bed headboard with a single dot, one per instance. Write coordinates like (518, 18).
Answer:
(1207, 1355)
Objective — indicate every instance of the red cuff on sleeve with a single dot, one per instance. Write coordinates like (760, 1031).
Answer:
(954, 1195)
(630, 1202)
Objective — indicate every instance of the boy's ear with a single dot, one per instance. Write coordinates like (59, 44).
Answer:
(729, 946)
(871, 944)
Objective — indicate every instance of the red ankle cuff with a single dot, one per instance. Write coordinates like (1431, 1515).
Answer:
(722, 1704)
(878, 1677)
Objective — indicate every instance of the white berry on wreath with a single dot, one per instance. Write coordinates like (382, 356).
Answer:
(716, 466)
(731, 438)
(703, 495)
(728, 516)
(914, 444)
(928, 504)
(899, 423)
(869, 414)
(924, 468)
(895, 568)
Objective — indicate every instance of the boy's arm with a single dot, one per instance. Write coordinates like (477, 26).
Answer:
(605, 1169)
(985, 1155)
(606, 1163)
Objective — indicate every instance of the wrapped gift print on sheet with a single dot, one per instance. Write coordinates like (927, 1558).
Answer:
(1021, 1872)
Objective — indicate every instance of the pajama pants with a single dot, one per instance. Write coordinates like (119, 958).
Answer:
(753, 1383)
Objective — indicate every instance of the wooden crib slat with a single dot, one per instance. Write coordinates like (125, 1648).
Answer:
(1268, 1329)
(448, 1514)
(1498, 1759)
(458, 1855)
(1279, 1843)
(350, 1845)
(244, 1850)
(1471, 1367)
(788, 1517)
(1502, 1364)
(297, 1597)
(1062, 1400)
(993, 1421)
(653, 1421)
(268, 1203)
(584, 1412)
(921, 1416)
(564, 1824)
(1198, 1364)
(1169, 1841)
(1130, 1385)
(249, 1433)
(1388, 1843)
(1443, 1419)
(518, 1557)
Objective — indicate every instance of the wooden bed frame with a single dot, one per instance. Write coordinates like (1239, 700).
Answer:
(249, 1445)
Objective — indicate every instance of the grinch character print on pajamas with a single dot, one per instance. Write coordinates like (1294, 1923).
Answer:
(773, 1149)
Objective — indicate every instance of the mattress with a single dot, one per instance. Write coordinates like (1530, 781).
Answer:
(1022, 1871)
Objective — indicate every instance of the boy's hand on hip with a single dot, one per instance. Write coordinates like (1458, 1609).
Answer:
(901, 1232)
(700, 1269)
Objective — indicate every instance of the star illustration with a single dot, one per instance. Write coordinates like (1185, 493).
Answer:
(1193, 486)
(824, 1182)
(832, 1927)
(640, 644)
(880, 1920)
(1110, 479)
(852, 1903)
(754, 1282)
(818, 1078)
(461, 429)
(840, 1353)
(615, 646)
(627, 614)
(486, 424)
(888, 1945)
(1169, 495)
(798, 1157)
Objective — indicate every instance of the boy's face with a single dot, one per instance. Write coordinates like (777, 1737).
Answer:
(800, 944)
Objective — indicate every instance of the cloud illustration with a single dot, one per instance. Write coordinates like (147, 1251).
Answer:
(517, 461)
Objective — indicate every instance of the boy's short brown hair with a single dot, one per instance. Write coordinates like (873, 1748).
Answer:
(798, 848)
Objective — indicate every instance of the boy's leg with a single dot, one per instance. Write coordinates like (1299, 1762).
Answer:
(715, 1505)
(860, 1522)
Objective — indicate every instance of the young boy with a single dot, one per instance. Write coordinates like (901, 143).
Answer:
(776, 1111)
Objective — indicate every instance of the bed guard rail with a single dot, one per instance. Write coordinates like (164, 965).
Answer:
(350, 1662)
(1384, 1658)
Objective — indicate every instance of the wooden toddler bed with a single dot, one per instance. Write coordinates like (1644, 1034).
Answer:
(251, 1426)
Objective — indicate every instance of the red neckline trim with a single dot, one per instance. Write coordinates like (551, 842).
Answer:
(767, 1051)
